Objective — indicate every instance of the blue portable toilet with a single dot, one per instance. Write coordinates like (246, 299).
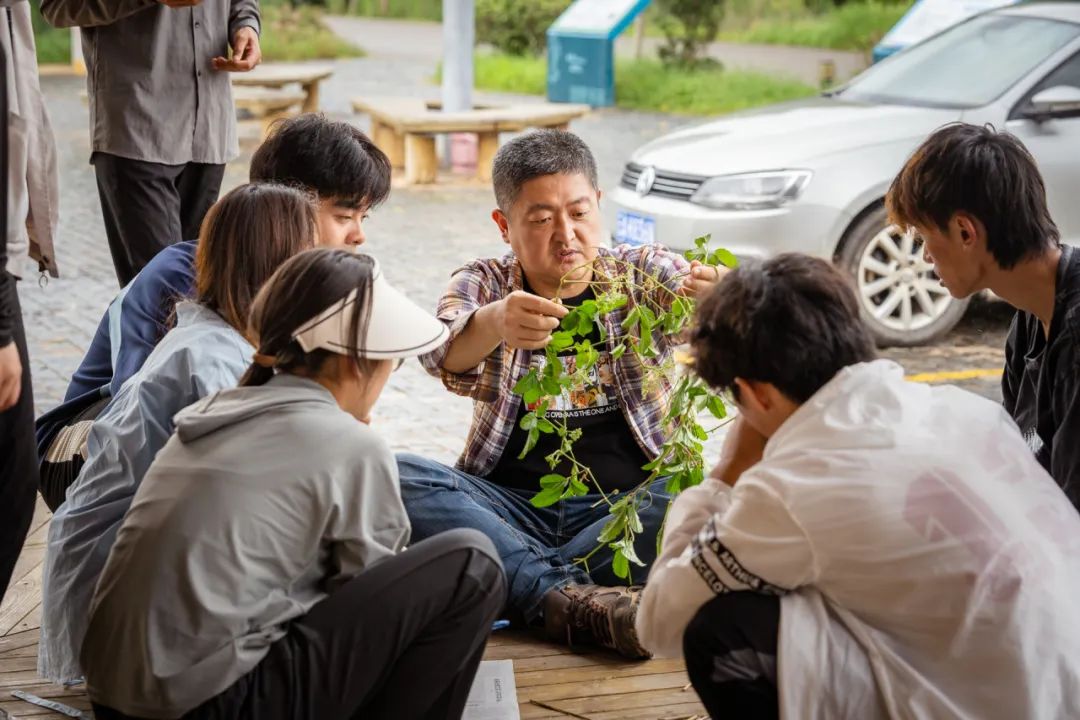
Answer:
(581, 50)
(929, 17)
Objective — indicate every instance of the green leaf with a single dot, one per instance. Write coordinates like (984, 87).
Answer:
(579, 487)
(632, 318)
(628, 551)
(648, 318)
(618, 351)
(570, 321)
(716, 406)
(589, 308)
(702, 242)
(530, 443)
(544, 425)
(620, 565)
(635, 523)
(551, 386)
(553, 480)
(612, 529)
(547, 496)
(585, 324)
(528, 421)
(645, 346)
(699, 432)
(529, 382)
(723, 257)
(561, 340)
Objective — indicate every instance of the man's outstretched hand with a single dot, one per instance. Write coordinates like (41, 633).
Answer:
(10, 376)
(526, 321)
(246, 53)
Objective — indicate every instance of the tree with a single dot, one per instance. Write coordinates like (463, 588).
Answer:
(688, 26)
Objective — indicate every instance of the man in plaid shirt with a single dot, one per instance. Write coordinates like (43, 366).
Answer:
(501, 313)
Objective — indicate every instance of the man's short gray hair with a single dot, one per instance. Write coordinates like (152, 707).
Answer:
(536, 154)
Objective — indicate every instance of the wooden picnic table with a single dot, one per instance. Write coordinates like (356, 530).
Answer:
(278, 75)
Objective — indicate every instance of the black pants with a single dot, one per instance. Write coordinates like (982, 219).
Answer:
(402, 640)
(149, 206)
(730, 648)
(18, 464)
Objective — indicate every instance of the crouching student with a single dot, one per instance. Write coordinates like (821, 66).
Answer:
(885, 549)
(259, 572)
(246, 236)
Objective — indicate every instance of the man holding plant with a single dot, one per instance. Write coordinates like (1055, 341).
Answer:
(566, 348)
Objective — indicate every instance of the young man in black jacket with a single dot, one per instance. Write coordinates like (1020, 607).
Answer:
(976, 199)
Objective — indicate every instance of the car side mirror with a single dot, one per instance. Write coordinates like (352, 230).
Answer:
(1057, 101)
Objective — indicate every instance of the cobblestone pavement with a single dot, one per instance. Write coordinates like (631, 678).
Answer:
(420, 234)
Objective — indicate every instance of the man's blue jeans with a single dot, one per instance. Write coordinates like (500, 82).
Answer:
(538, 546)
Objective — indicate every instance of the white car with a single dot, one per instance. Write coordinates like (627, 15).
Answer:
(811, 175)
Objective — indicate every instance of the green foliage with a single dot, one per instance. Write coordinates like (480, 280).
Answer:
(401, 9)
(688, 26)
(649, 85)
(53, 44)
(658, 311)
(515, 27)
(290, 34)
(854, 26)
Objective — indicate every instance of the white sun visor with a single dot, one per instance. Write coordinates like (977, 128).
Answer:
(398, 328)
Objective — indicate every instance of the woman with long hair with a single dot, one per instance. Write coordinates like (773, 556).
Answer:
(259, 572)
(247, 235)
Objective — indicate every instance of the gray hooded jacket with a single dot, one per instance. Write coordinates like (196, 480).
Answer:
(262, 502)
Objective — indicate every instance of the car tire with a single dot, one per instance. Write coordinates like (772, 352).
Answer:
(899, 296)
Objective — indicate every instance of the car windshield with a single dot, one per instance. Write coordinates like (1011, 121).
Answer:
(967, 66)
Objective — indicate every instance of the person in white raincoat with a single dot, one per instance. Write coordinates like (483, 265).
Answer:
(885, 549)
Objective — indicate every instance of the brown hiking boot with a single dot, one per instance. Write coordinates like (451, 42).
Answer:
(593, 614)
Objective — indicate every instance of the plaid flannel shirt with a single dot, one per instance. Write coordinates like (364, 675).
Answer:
(490, 384)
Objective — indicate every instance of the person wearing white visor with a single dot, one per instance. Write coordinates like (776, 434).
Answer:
(261, 571)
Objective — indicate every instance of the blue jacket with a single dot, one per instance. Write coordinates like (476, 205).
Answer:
(135, 322)
(201, 355)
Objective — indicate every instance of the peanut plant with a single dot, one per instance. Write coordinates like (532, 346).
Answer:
(680, 459)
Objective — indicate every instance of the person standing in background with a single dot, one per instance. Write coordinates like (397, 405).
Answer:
(162, 121)
(28, 218)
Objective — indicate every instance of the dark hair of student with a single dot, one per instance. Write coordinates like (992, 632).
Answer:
(331, 158)
(536, 154)
(987, 174)
(792, 321)
(300, 290)
(245, 237)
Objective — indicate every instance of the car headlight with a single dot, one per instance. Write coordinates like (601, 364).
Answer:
(752, 191)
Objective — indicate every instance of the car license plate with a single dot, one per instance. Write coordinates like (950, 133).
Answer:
(633, 229)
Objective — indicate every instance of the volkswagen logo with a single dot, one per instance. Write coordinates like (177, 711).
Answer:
(645, 180)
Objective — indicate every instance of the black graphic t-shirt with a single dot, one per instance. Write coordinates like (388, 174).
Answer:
(607, 444)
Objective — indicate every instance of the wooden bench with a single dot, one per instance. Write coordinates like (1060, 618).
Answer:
(268, 104)
(405, 129)
(278, 75)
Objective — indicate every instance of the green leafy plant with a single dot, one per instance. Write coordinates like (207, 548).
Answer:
(688, 26)
(663, 312)
(517, 28)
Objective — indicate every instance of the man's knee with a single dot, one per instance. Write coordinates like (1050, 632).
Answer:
(731, 623)
(417, 470)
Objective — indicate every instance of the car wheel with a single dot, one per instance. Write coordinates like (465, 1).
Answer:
(899, 294)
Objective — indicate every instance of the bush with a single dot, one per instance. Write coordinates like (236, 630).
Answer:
(688, 26)
(515, 27)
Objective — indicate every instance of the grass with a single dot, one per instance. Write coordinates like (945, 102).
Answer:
(854, 26)
(297, 34)
(53, 44)
(648, 85)
(288, 34)
(399, 9)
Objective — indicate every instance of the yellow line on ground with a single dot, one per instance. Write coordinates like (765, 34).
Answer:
(947, 375)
